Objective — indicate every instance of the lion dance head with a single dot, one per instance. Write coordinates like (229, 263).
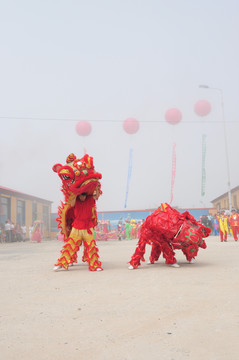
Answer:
(78, 175)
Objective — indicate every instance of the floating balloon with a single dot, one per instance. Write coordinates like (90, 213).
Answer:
(202, 107)
(83, 128)
(173, 116)
(131, 125)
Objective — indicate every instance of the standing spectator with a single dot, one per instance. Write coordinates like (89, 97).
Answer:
(37, 233)
(138, 226)
(215, 225)
(24, 232)
(3, 234)
(209, 222)
(30, 232)
(13, 232)
(223, 225)
(8, 231)
(128, 230)
(234, 223)
(204, 220)
(133, 228)
(119, 230)
(18, 232)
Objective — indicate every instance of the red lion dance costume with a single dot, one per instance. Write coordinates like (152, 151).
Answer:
(167, 230)
(77, 215)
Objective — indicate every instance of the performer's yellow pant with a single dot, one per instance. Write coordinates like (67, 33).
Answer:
(74, 241)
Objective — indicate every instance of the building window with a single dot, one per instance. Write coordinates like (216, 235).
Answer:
(34, 211)
(5, 209)
(46, 217)
(21, 212)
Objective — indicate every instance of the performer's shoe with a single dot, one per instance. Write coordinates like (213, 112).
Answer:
(58, 267)
(131, 267)
(192, 261)
(98, 269)
(149, 263)
(175, 265)
(71, 264)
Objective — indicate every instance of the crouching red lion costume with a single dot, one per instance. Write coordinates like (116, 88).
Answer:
(167, 230)
(77, 215)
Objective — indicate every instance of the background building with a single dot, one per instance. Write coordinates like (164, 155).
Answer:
(24, 209)
(222, 202)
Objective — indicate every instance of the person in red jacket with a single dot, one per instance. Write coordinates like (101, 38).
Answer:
(234, 223)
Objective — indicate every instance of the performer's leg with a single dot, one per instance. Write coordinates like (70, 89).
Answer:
(138, 254)
(221, 234)
(69, 250)
(84, 256)
(234, 232)
(155, 253)
(225, 236)
(168, 253)
(91, 251)
(74, 257)
(237, 229)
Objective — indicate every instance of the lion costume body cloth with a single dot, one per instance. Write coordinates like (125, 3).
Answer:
(167, 230)
(77, 218)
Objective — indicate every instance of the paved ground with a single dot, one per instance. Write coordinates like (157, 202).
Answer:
(155, 312)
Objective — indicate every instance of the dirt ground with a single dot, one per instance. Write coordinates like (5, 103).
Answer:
(154, 312)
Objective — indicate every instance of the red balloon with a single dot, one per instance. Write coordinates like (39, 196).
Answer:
(83, 128)
(131, 125)
(202, 107)
(173, 116)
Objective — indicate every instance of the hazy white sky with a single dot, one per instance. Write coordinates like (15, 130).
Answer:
(104, 61)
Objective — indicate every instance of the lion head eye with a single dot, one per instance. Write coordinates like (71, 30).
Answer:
(65, 177)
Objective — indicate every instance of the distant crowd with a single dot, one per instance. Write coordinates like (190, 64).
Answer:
(130, 229)
(224, 223)
(10, 232)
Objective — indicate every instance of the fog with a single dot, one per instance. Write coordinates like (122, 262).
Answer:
(106, 61)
